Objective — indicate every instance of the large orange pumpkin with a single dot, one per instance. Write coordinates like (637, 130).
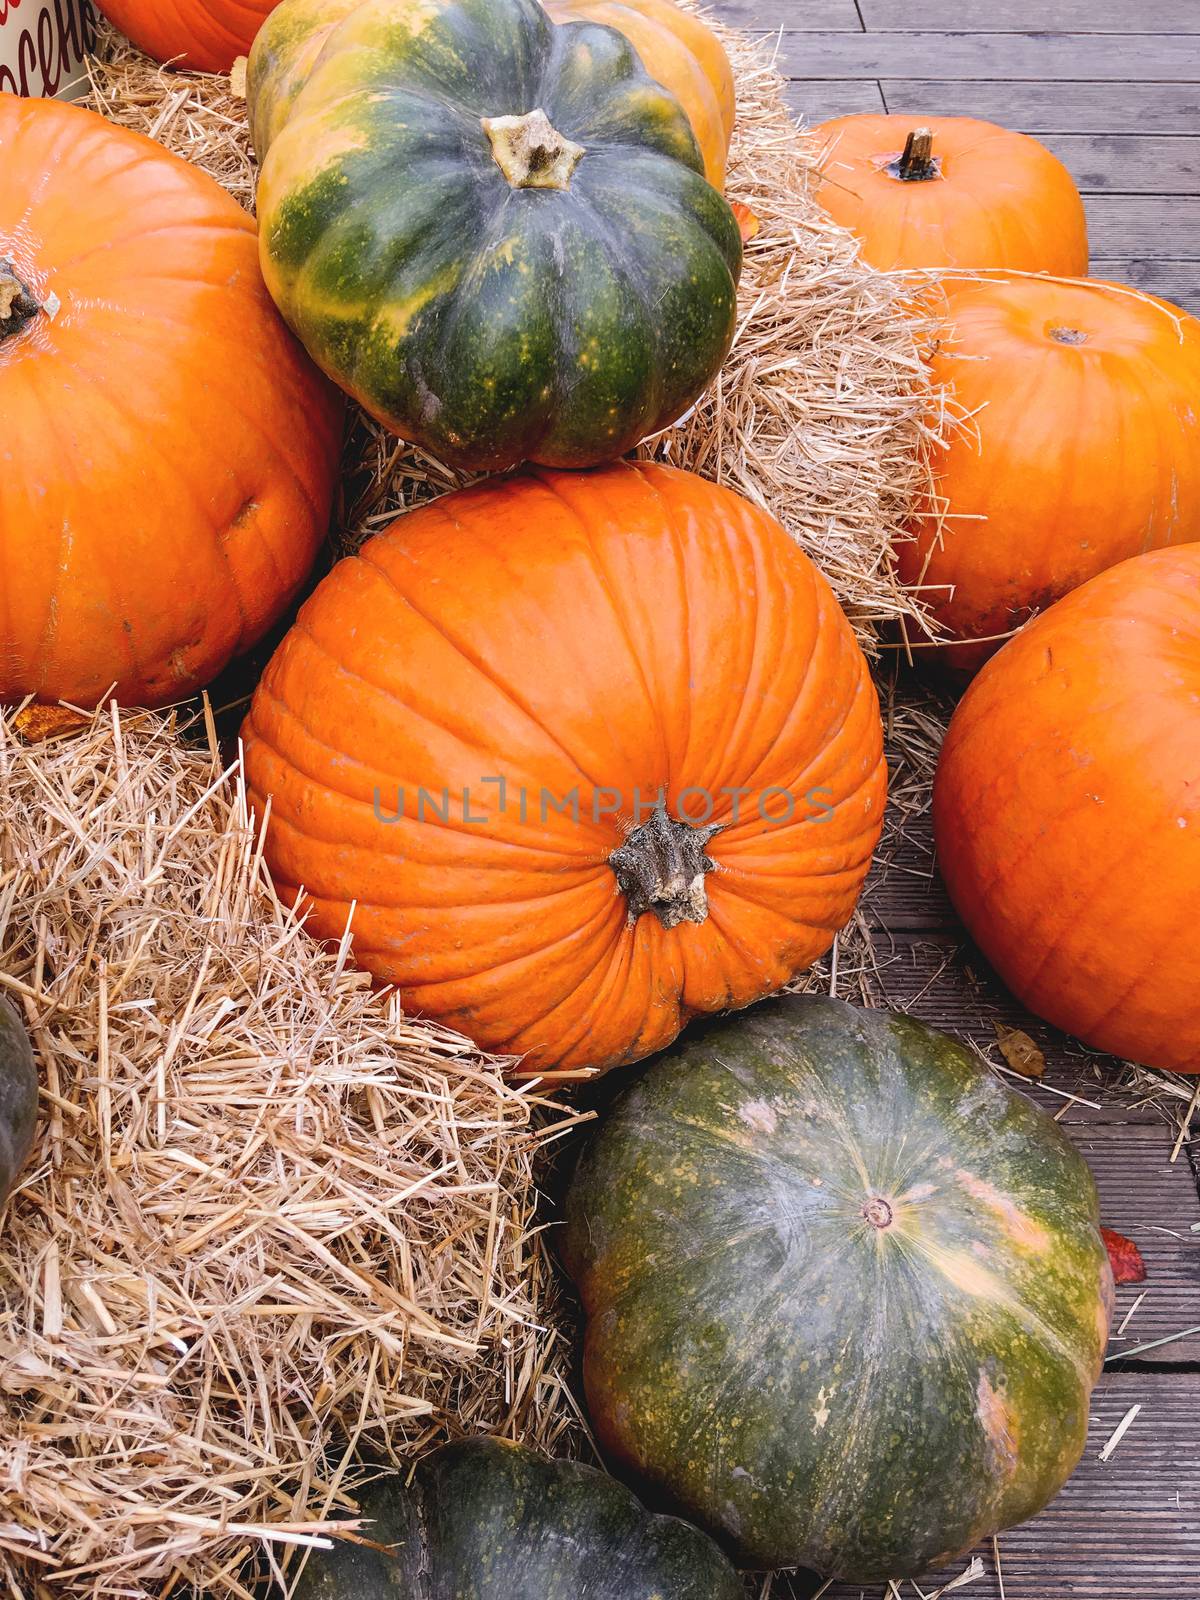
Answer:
(169, 451)
(1083, 449)
(1067, 811)
(683, 54)
(952, 192)
(205, 35)
(587, 753)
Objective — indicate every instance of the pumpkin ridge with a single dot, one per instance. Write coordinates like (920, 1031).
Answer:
(782, 830)
(588, 544)
(1016, 859)
(280, 452)
(1020, 1310)
(108, 247)
(625, 264)
(408, 707)
(100, 387)
(479, 666)
(102, 390)
(471, 830)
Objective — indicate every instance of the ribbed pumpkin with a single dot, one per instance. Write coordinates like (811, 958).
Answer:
(846, 1295)
(1083, 448)
(488, 1520)
(588, 753)
(205, 35)
(952, 192)
(170, 452)
(493, 231)
(18, 1097)
(1067, 809)
(680, 52)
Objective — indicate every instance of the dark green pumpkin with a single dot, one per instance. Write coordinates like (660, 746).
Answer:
(846, 1295)
(493, 231)
(18, 1097)
(485, 1520)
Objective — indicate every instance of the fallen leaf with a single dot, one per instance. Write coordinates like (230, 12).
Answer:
(237, 78)
(36, 723)
(1019, 1050)
(1124, 1256)
(748, 224)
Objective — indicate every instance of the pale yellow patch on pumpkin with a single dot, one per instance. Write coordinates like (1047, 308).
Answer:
(998, 1423)
(822, 1414)
(759, 1115)
(966, 1274)
(1020, 1228)
(394, 320)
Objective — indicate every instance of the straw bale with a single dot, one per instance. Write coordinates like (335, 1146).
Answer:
(269, 1222)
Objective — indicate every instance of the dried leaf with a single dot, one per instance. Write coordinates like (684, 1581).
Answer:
(748, 224)
(1124, 1256)
(1020, 1051)
(37, 723)
(237, 78)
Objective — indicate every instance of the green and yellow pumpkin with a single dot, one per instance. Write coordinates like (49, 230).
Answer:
(18, 1097)
(493, 231)
(846, 1294)
(487, 1520)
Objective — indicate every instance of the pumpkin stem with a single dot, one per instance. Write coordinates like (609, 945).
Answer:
(17, 305)
(661, 868)
(917, 163)
(530, 151)
(877, 1212)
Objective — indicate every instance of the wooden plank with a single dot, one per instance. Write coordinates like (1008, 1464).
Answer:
(1122, 1529)
(1177, 281)
(992, 56)
(817, 102)
(1150, 227)
(803, 16)
(1052, 106)
(1027, 16)
(1121, 163)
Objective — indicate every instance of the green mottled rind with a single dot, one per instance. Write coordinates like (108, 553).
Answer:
(863, 1402)
(18, 1097)
(485, 1520)
(487, 323)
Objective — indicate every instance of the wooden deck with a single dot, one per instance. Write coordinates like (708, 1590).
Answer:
(1113, 87)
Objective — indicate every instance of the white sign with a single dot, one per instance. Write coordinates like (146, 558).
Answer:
(42, 46)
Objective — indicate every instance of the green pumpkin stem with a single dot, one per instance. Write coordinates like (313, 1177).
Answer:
(918, 163)
(530, 151)
(17, 305)
(661, 868)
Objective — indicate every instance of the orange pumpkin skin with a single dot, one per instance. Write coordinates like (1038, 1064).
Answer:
(996, 199)
(682, 54)
(205, 35)
(596, 638)
(170, 451)
(1083, 450)
(1067, 811)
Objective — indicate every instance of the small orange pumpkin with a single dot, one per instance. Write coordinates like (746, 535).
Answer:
(953, 192)
(587, 753)
(1083, 449)
(170, 451)
(205, 35)
(1067, 811)
(682, 54)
